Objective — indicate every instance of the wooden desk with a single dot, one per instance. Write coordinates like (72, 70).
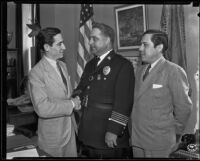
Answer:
(24, 122)
(18, 118)
(17, 142)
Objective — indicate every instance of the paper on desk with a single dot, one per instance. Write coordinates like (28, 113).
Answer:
(23, 153)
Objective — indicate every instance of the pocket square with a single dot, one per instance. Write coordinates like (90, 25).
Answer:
(157, 85)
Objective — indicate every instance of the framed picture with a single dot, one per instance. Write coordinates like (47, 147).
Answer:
(130, 25)
(135, 60)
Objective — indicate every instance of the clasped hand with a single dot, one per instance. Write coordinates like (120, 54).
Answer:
(77, 103)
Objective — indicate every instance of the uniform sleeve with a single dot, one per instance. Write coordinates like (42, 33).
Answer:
(123, 100)
(82, 84)
(43, 105)
(182, 103)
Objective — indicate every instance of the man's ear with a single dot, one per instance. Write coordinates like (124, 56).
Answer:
(46, 47)
(159, 47)
(108, 40)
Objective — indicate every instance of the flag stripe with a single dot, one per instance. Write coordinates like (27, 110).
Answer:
(85, 47)
(83, 55)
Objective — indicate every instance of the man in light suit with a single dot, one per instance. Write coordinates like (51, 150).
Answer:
(161, 102)
(50, 91)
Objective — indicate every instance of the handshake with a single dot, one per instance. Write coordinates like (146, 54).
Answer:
(76, 99)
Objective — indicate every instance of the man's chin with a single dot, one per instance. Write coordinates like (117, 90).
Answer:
(92, 52)
(61, 55)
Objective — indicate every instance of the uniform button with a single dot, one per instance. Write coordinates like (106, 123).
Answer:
(104, 78)
(91, 78)
(88, 87)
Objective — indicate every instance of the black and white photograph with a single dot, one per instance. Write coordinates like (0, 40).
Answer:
(99, 80)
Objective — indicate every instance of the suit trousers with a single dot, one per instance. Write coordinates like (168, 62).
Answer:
(144, 153)
(90, 152)
(68, 150)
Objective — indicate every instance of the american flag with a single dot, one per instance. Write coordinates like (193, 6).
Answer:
(85, 27)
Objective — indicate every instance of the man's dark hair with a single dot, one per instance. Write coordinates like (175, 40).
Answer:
(106, 30)
(46, 36)
(158, 37)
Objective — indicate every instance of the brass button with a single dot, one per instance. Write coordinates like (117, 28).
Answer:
(91, 78)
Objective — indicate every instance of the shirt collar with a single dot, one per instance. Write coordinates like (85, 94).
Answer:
(104, 55)
(51, 61)
(154, 63)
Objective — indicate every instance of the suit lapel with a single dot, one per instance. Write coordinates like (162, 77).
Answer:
(66, 75)
(147, 83)
(138, 79)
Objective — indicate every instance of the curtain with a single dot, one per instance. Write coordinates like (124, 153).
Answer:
(172, 22)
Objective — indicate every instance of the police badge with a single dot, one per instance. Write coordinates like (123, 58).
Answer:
(106, 70)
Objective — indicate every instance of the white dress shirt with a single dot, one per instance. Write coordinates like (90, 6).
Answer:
(103, 56)
(154, 63)
(54, 65)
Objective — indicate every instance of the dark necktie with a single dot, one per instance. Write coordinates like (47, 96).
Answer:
(96, 60)
(62, 75)
(146, 72)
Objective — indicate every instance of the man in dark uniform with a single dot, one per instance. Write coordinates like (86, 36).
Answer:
(106, 88)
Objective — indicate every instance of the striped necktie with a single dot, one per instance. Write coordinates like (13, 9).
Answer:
(62, 75)
(146, 72)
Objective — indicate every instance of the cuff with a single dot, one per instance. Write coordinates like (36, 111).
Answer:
(73, 104)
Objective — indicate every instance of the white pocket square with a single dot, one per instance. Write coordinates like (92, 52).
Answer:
(157, 85)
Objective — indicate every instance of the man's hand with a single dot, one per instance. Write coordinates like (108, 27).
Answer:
(77, 103)
(111, 139)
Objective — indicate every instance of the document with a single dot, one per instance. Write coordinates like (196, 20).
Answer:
(23, 153)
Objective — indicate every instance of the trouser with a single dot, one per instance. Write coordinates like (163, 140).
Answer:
(144, 153)
(91, 152)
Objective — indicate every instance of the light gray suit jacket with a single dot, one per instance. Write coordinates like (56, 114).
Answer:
(161, 106)
(50, 98)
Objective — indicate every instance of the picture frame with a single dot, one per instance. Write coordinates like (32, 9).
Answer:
(130, 24)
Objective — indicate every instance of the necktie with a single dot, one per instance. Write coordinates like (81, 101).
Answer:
(146, 72)
(96, 60)
(62, 75)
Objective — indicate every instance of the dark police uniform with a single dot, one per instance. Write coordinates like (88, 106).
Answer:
(107, 98)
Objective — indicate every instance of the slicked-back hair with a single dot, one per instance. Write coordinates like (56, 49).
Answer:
(46, 36)
(106, 30)
(158, 37)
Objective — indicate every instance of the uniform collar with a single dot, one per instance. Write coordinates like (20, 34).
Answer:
(103, 56)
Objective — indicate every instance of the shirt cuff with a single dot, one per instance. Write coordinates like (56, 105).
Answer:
(73, 104)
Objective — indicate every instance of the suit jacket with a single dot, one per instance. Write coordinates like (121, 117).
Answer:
(111, 83)
(51, 102)
(161, 107)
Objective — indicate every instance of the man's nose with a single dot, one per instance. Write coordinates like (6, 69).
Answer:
(141, 48)
(90, 41)
(63, 47)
